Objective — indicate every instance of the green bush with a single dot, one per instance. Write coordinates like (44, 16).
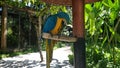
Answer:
(71, 59)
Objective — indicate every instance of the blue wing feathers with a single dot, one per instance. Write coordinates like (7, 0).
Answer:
(50, 23)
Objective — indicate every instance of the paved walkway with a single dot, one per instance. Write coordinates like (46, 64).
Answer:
(32, 60)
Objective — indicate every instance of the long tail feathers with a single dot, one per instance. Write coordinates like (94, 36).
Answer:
(49, 51)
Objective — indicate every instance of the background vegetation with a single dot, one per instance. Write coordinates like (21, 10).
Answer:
(102, 24)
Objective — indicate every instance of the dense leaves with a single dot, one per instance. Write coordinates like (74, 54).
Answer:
(102, 22)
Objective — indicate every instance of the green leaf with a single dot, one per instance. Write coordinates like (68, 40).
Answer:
(86, 16)
(105, 3)
(104, 40)
(64, 9)
(117, 5)
(112, 30)
(92, 15)
(110, 3)
(92, 26)
(113, 15)
(88, 8)
(98, 5)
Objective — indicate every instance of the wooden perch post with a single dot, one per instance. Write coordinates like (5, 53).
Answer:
(79, 32)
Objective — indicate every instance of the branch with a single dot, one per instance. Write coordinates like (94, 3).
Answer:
(25, 9)
(111, 37)
(59, 38)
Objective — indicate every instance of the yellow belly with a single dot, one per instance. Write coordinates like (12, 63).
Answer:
(57, 26)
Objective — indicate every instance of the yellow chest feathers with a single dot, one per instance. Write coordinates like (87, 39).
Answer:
(58, 26)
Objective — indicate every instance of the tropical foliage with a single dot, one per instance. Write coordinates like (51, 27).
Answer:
(102, 23)
(103, 36)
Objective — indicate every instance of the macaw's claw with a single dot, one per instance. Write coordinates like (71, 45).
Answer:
(58, 35)
(51, 34)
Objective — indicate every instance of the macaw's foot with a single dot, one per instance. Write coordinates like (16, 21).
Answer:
(59, 35)
(51, 34)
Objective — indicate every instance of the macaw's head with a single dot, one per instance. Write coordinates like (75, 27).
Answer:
(64, 16)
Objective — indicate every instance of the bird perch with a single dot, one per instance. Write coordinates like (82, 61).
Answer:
(59, 38)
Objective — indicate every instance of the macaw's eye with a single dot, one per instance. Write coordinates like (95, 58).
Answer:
(64, 22)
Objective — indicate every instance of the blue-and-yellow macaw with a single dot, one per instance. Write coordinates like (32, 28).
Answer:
(53, 25)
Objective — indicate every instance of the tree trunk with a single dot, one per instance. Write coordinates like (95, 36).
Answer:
(19, 39)
(39, 36)
(4, 28)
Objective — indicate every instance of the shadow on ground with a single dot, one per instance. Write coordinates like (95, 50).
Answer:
(32, 60)
(33, 64)
(20, 64)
